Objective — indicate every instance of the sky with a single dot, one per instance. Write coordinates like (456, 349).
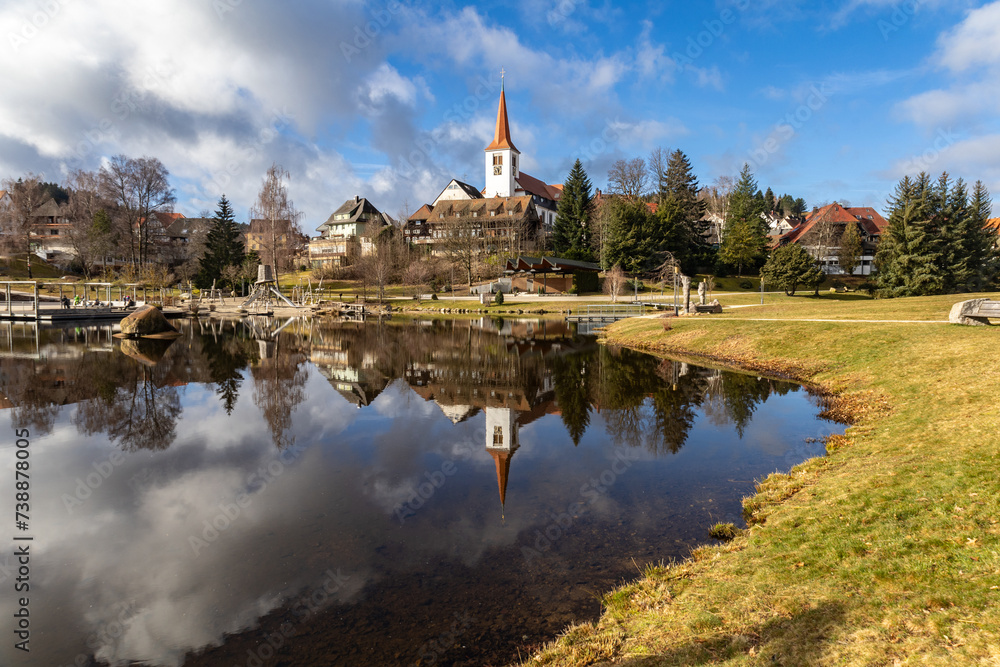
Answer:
(833, 100)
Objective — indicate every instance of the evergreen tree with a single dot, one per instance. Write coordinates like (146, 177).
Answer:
(222, 246)
(798, 206)
(571, 232)
(680, 211)
(850, 249)
(769, 201)
(745, 235)
(909, 254)
(982, 241)
(790, 266)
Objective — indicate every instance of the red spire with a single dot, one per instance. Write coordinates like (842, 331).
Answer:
(501, 138)
(502, 459)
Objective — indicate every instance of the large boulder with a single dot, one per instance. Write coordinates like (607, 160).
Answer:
(145, 321)
(964, 312)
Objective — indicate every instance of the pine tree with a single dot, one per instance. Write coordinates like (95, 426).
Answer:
(571, 232)
(222, 246)
(790, 266)
(982, 240)
(769, 201)
(745, 235)
(909, 254)
(680, 210)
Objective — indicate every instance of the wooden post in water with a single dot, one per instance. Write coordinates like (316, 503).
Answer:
(36, 302)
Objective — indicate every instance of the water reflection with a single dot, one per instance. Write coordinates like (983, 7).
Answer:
(361, 491)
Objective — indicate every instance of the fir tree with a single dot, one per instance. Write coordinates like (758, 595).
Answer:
(984, 256)
(909, 253)
(790, 266)
(745, 235)
(769, 201)
(680, 210)
(571, 232)
(222, 246)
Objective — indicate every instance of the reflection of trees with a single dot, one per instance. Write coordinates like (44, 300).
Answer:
(571, 378)
(134, 405)
(733, 398)
(227, 356)
(278, 389)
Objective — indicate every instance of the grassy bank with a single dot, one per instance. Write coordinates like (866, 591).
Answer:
(885, 552)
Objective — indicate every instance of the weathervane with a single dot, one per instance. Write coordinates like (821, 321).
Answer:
(501, 77)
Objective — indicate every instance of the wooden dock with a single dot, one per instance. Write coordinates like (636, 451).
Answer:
(609, 313)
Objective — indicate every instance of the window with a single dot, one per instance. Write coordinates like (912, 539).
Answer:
(498, 435)
(497, 164)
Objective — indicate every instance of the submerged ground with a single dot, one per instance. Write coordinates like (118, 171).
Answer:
(885, 552)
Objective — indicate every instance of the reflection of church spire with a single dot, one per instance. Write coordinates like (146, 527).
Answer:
(501, 443)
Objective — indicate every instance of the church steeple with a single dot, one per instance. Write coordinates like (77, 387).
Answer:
(501, 137)
(501, 155)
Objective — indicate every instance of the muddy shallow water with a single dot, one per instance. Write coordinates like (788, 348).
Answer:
(296, 493)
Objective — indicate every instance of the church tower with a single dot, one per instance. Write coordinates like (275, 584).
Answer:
(502, 157)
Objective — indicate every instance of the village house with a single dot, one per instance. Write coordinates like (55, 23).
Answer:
(289, 241)
(348, 233)
(822, 230)
(50, 234)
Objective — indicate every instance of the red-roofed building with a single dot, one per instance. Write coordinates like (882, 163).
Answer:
(822, 230)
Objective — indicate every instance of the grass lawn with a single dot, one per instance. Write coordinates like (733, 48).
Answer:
(884, 552)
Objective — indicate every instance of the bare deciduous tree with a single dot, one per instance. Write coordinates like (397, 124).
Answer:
(628, 178)
(16, 218)
(614, 282)
(281, 220)
(139, 187)
(659, 157)
(90, 234)
(464, 243)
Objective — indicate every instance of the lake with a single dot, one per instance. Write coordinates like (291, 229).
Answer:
(451, 492)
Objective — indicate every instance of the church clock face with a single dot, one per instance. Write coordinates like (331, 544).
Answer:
(497, 170)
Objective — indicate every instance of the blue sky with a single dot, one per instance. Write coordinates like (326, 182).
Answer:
(389, 100)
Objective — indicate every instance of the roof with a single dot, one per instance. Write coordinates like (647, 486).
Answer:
(50, 209)
(536, 187)
(994, 223)
(503, 206)
(870, 219)
(501, 136)
(259, 226)
(354, 209)
(182, 227)
(549, 265)
(469, 190)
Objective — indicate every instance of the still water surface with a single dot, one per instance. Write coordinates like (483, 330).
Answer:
(449, 493)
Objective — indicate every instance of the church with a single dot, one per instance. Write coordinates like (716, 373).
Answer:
(513, 207)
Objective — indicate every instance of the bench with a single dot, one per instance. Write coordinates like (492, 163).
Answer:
(974, 312)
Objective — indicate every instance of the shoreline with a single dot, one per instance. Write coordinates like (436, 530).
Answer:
(840, 562)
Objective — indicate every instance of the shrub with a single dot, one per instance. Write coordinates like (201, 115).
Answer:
(723, 531)
(498, 299)
(434, 297)
(746, 284)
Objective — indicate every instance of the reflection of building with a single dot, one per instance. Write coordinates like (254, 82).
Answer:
(358, 380)
(501, 443)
